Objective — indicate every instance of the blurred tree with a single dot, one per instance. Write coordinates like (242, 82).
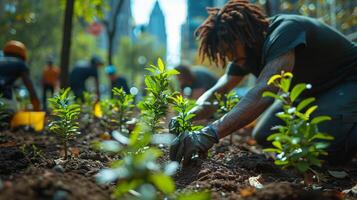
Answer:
(134, 56)
(35, 23)
(111, 27)
(87, 10)
(341, 14)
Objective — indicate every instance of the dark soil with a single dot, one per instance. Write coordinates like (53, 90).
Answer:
(31, 168)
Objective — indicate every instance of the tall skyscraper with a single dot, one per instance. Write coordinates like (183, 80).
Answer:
(156, 26)
(196, 14)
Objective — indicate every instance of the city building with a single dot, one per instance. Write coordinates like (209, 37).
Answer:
(156, 26)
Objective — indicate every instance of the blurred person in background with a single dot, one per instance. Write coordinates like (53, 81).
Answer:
(116, 80)
(50, 80)
(81, 72)
(194, 82)
(12, 68)
(254, 44)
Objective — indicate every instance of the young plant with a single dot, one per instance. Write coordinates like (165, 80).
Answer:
(124, 103)
(117, 111)
(154, 107)
(183, 122)
(138, 174)
(298, 142)
(66, 113)
(226, 102)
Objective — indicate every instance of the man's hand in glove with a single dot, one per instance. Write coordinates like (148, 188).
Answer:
(190, 144)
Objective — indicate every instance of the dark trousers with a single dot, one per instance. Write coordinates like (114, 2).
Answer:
(340, 103)
(46, 88)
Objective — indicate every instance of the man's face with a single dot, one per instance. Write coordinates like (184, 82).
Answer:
(238, 55)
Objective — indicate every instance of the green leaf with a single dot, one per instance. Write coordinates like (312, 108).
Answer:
(272, 150)
(304, 103)
(309, 111)
(172, 72)
(321, 145)
(285, 84)
(321, 136)
(125, 186)
(280, 162)
(270, 94)
(163, 182)
(320, 119)
(296, 91)
(273, 78)
(277, 144)
(161, 65)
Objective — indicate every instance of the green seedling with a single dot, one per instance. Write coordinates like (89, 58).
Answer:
(298, 143)
(226, 102)
(183, 122)
(125, 104)
(65, 117)
(138, 174)
(155, 105)
(117, 111)
(31, 152)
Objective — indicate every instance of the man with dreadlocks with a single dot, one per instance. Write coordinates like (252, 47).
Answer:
(315, 53)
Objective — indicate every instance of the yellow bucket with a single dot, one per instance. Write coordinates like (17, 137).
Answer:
(24, 118)
(97, 110)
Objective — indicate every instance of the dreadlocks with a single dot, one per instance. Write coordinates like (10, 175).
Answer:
(237, 20)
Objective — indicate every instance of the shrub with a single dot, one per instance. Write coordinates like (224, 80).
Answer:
(183, 118)
(65, 117)
(117, 111)
(155, 105)
(226, 102)
(298, 143)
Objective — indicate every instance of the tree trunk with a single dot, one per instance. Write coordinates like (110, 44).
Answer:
(111, 26)
(66, 43)
(110, 48)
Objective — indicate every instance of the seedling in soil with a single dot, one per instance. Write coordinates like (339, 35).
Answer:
(155, 105)
(298, 143)
(138, 174)
(117, 111)
(225, 104)
(65, 117)
(31, 152)
(183, 122)
(124, 103)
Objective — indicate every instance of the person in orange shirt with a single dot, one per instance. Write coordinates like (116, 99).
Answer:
(50, 77)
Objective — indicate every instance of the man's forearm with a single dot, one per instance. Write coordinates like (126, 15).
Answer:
(247, 110)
